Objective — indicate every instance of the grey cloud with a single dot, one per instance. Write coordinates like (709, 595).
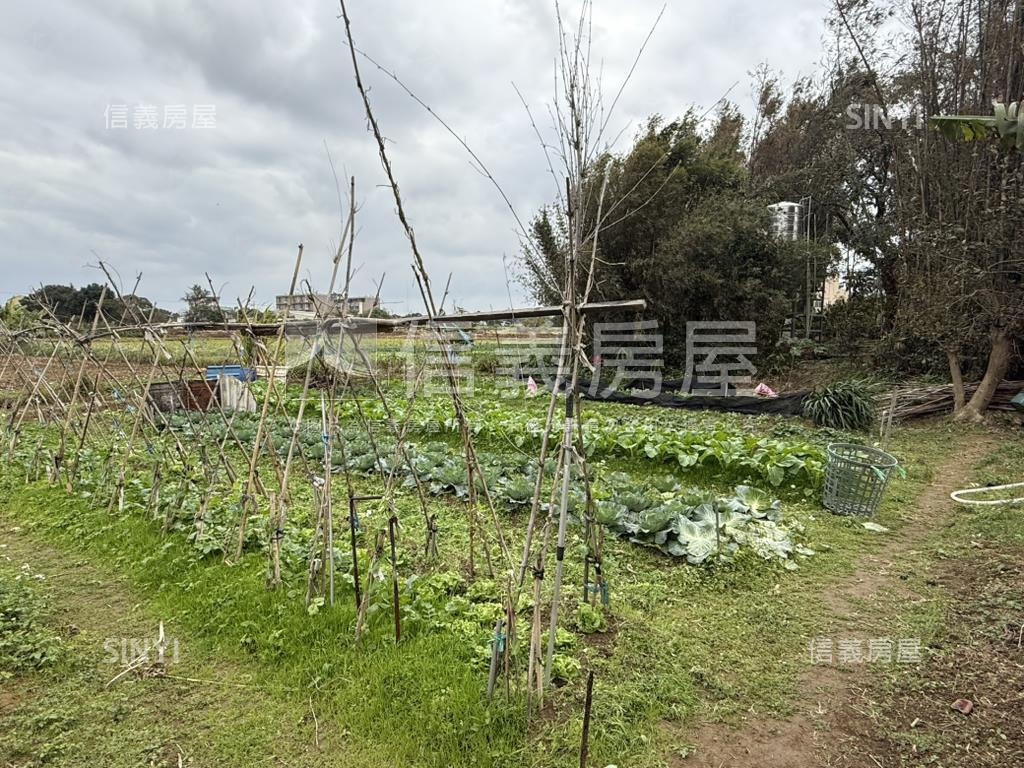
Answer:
(235, 200)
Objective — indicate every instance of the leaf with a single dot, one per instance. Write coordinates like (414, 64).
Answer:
(610, 513)
(704, 515)
(756, 501)
(665, 483)
(675, 548)
(314, 606)
(657, 518)
(634, 502)
(701, 548)
(964, 127)
(686, 459)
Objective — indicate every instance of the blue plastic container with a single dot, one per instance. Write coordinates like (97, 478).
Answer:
(213, 372)
(1018, 401)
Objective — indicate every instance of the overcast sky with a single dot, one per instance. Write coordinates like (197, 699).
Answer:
(243, 96)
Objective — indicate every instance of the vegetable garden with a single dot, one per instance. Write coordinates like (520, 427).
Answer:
(703, 493)
(448, 578)
(372, 539)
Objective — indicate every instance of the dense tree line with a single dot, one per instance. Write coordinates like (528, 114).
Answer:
(936, 221)
(71, 305)
(682, 230)
(929, 226)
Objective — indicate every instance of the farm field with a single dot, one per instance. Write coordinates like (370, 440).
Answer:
(512, 385)
(719, 561)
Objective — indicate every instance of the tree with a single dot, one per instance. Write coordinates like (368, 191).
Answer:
(812, 150)
(202, 306)
(72, 305)
(64, 301)
(980, 279)
(682, 231)
(962, 201)
(138, 308)
(15, 316)
(938, 219)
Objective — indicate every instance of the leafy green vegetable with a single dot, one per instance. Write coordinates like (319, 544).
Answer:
(701, 527)
(590, 619)
(25, 642)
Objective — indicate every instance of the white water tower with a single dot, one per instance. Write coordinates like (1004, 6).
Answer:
(786, 219)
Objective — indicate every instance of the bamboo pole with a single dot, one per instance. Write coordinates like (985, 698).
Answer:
(496, 651)
(423, 282)
(250, 484)
(392, 527)
(327, 425)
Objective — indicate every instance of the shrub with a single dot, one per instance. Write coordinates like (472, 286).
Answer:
(486, 361)
(846, 405)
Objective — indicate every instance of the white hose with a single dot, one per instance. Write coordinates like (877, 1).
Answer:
(958, 496)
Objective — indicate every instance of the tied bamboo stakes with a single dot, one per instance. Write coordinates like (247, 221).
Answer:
(127, 372)
(916, 402)
(273, 492)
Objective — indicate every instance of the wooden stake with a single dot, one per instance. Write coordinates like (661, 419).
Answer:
(353, 524)
(585, 738)
(355, 550)
(59, 458)
(392, 526)
(496, 653)
(327, 425)
(261, 425)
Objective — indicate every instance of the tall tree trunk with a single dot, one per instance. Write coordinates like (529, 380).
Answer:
(956, 376)
(998, 363)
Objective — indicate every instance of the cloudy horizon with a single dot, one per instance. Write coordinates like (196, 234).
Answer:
(172, 139)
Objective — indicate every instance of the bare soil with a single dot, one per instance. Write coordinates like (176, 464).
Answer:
(982, 661)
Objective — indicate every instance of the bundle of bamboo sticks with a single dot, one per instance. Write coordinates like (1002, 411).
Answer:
(914, 402)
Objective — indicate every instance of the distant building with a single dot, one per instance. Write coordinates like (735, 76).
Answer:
(326, 304)
(789, 222)
(834, 291)
(787, 219)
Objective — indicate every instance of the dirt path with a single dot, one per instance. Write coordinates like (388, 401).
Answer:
(809, 738)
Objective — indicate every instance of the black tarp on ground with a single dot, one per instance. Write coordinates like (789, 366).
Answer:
(783, 405)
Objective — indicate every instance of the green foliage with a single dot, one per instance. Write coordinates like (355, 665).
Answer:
(564, 667)
(26, 643)
(696, 244)
(699, 526)
(486, 361)
(447, 620)
(590, 619)
(1003, 124)
(15, 316)
(848, 405)
(201, 306)
(729, 451)
(70, 305)
(932, 221)
(853, 320)
(663, 612)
